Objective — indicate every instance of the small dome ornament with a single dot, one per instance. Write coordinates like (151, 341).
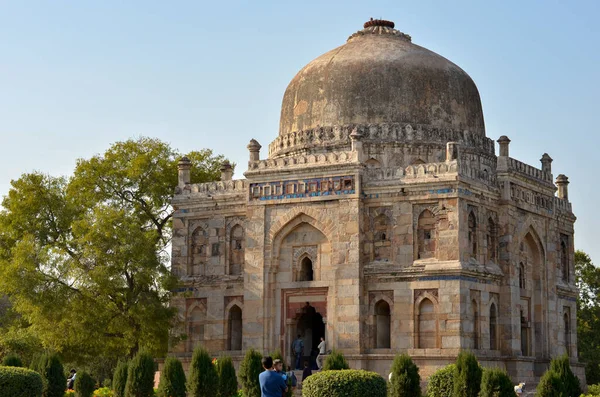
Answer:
(380, 27)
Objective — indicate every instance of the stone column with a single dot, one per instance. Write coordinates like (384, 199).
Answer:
(357, 145)
(184, 167)
(562, 182)
(254, 149)
(226, 171)
(451, 151)
(503, 141)
(546, 163)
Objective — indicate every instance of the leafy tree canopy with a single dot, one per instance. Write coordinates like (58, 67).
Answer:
(83, 258)
(588, 315)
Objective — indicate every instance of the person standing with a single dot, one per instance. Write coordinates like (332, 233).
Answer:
(307, 372)
(298, 349)
(322, 350)
(271, 383)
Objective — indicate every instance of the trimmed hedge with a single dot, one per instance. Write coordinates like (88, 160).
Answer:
(559, 380)
(172, 379)
(12, 360)
(140, 376)
(227, 378)
(405, 381)
(119, 380)
(53, 375)
(344, 383)
(20, 382)
(495, 382)
(467, 375)
(203, 379)
(250, 368)
(84, 385)
(335, 361)
(441, 383)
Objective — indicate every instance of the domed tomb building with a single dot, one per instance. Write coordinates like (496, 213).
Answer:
(382, 219)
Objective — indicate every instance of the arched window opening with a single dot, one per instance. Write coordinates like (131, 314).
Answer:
(199, 252)
(475, 316)
(567, 334)
(235, 328)
(521, 275)
(524, 335)
(427, 332)
(236, 251)
(564, 261)
(472, 235)
(196, 327)
(306, 270)
(492, 241)
(382, 325)
(493, 325)
(426, 235)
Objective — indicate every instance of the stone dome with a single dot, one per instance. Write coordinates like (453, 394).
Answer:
(380, 76)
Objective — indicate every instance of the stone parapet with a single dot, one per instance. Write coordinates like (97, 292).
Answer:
(328, 138)
(211, 189)
(301, 161)
(528, 170)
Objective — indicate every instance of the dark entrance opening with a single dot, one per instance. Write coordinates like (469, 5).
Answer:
(311, 328)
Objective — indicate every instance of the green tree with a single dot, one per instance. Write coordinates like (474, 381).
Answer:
(140, 376)
(119, 380)
(84, 384)
(441, 383)
(172, 379)
(227, 378)
(405, 381)
(495, 382)
(588, 315)
(203, 380)
(570, 383)
(335, 361)
(250, 368)
(83, 258)
(52, 371)
(467, 375)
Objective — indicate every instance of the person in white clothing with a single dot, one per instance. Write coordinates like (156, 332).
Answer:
(321, 352)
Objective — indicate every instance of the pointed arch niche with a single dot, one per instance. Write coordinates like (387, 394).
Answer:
(198, 252)
(233, 313)
(301, 250)
(426, 241)
(533, 321)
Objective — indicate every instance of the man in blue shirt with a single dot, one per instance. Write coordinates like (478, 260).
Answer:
(271, 383)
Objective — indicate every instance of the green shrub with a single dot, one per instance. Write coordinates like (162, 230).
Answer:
(562, 367)
(53, 376)
(84, 384)
(441, 383)
(140, 376)
(227, 378)
(20, 382)
(495, 382)
(12, 360)
(335, 361)
(172, 379)
(34, 365)
(103, 392)
(559, 380)
(107, 383)
(467, 375)
(346, 383)
(405, 381)
(594, 390)
(120, 379)
(549, 386)
(250, 368)
(203, 380)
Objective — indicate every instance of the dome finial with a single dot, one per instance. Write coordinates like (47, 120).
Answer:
(379, 22)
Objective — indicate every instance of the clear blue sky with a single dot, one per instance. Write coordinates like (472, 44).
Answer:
(76, 76)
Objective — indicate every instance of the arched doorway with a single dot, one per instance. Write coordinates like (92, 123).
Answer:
(306, 270)
(311, 328)
(235, 328)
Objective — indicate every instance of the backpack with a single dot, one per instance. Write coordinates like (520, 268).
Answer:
(292, 380)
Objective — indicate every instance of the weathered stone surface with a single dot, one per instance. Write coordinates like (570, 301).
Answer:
(401, 240)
